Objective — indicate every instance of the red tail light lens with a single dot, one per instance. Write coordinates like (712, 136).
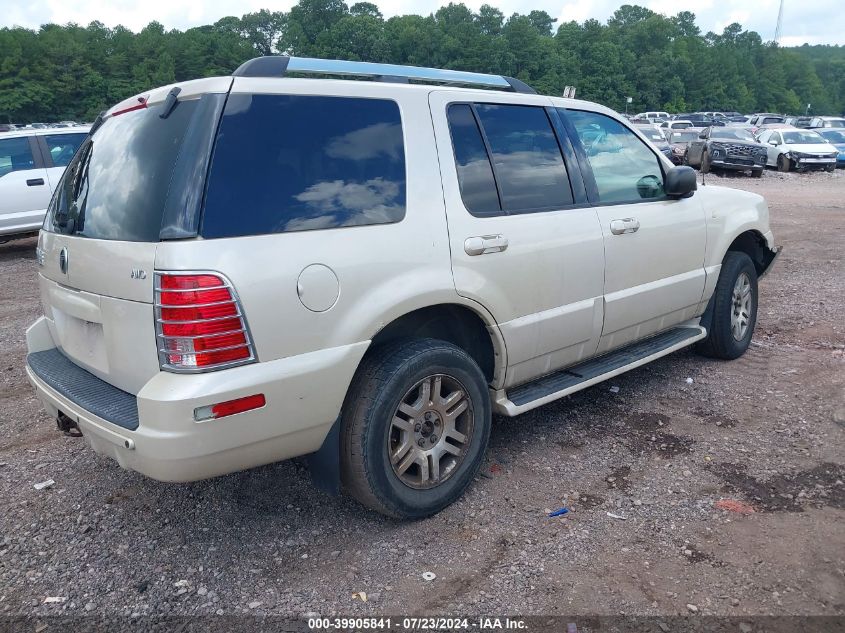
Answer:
(199, 323)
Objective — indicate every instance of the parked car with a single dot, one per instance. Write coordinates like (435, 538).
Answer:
(758, 120)
(679, 140)
(826, 121)
(727, 148)
(735, 117)
(203, 315)
(31, 164)
(698, 119)
(836, 137)
(653, 117)
(798, 149)
(655, 136)
(798, 121)
(675, 124)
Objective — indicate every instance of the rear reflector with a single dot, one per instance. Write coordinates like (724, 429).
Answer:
(142, 103)
(199, 323)
(230, 407)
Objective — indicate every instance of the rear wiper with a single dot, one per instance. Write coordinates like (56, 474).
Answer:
(170, 102)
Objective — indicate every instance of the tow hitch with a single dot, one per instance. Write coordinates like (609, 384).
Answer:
(67, 426)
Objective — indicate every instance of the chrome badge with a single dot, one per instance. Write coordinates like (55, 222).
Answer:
(138, 273)
(63, 260)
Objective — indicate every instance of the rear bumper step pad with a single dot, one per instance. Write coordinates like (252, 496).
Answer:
(84, 389)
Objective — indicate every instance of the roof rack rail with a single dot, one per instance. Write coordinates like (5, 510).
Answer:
(279, 65)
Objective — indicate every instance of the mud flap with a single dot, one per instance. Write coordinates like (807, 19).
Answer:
(325, 463)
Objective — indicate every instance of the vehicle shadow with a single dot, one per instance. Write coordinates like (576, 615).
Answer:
(18, 249)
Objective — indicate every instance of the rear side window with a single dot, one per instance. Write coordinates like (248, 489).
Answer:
(513, 160)
(62, 147)
(526, 157)
(624, 168)
(475, 175)
(15, 155)
(295, 163)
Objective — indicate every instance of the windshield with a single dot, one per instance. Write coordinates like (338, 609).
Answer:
(732, 133)
(802, 138)
(834, 136)
(119, 184)
(834, 123)
(684, 137)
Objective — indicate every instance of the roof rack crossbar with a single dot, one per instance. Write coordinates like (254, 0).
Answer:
(280, 65)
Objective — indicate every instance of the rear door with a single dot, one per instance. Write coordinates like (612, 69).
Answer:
(57, 149)
(654, 246)
(139, 177)
(24, 187)
(523, 242)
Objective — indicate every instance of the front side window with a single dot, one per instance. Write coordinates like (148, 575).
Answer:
(624, 168)
(526, 157)
(15, 155)
(62, 147)
(294, 163)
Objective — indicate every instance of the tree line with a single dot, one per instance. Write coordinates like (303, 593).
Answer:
(662, 62)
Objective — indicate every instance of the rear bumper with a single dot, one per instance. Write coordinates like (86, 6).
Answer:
(303, 394)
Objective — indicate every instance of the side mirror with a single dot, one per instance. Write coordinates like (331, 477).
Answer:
(773, 142)
(680, 182)
(702, 135)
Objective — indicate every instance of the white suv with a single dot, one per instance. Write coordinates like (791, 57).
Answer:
(31, 164)
(244, 269)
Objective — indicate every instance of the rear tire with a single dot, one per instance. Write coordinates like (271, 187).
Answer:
(405, 452)
(784, 164)
(734, 309)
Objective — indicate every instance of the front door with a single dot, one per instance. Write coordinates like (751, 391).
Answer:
(654, 246)
(520, 243)
(24, 186)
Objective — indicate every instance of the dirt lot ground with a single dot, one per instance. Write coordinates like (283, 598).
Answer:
(768, 430)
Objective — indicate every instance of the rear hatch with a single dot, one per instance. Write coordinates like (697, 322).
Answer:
(138, 179)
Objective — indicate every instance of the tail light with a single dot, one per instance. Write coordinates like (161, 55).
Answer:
(200, 325)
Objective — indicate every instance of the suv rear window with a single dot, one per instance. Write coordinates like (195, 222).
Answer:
(118, 185)
(295, 163)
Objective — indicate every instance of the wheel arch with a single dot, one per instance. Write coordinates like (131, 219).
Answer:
(754, 244)
(471, 330)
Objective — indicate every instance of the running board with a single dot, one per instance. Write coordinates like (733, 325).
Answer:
(562, 383)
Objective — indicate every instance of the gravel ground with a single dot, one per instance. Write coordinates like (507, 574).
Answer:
(678, 436)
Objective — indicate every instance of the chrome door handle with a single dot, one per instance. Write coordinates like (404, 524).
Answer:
(626, 225)
(485, 244)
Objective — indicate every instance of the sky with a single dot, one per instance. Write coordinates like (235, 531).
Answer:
(810, 21)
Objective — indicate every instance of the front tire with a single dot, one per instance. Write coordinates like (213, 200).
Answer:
(757, 173)
(784, 164)
(415, 428)
(734, 309)
(705, 163)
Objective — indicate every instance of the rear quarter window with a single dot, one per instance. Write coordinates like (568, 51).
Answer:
(286, 163)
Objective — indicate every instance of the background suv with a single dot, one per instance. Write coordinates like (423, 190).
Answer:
(238, 270)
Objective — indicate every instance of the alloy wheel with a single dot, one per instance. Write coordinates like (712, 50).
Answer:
(430, 431)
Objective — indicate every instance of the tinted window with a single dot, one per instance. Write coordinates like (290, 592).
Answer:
(15, 155)
(624, 168)
(116, 186)
(62, 147)
(296, 163)
(475, 176)
(526, 158)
